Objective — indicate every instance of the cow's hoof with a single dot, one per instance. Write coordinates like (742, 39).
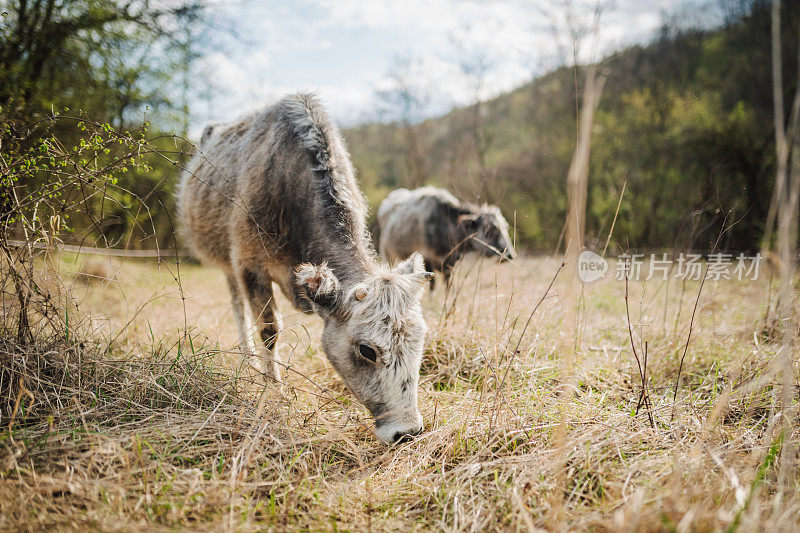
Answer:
(269, 370)
(272, 373)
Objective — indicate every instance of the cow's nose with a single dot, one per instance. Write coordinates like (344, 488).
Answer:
(508, 256)
(405, 436)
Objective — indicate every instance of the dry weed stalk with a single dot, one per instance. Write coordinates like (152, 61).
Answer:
(641, 365)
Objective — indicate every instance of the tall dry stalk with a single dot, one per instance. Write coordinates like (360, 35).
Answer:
(577, 180)
(577, 184)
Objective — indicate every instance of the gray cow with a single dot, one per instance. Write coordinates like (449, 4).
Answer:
(274, 199)
(433, 222)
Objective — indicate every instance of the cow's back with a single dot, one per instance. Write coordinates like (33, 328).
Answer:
(406, 217)
(276, 189)
(209, 190)
(399, 229)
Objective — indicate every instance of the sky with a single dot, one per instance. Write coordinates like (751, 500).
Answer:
(346, 51)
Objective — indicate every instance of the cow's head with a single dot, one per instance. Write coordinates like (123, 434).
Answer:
(489, 233)
(374, 334)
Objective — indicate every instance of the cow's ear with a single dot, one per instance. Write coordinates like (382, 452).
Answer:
(414, 266)
(469, 221)
(320, 285)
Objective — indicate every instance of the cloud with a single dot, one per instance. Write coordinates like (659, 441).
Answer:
(345, 49)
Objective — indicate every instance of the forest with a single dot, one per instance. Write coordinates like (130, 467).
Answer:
(685, 123)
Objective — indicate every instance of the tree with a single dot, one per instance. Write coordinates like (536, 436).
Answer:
(580, 23)
(119, 62)
(780, 192)
(578, 175)
(97, 55)
(476, 63)
(786, 201)
(406, 100)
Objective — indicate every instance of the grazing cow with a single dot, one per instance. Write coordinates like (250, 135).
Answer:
(274, 199)
(433, 222)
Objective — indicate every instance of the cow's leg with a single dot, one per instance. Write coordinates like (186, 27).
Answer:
(446, 275)
(448, 265)
(257, 287)
(429, 268)
(240, 315)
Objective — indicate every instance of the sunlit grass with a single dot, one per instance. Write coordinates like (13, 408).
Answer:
(545, 436)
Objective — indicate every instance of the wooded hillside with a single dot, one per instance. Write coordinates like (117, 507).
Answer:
(685, 122)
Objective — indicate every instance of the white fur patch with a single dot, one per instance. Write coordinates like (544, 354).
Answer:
(319, 280)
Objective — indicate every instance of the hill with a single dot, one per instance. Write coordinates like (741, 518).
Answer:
(685, 122)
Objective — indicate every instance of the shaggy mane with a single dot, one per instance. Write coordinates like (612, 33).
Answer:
(308, 121)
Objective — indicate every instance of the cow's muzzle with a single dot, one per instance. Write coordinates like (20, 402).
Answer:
(508, 255)
(399, 430)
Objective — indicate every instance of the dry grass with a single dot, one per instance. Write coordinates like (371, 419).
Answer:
(155, 424)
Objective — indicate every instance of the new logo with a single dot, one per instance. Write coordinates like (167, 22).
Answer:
(591, 266)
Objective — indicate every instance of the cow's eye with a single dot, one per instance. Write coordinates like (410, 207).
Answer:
(367, 352)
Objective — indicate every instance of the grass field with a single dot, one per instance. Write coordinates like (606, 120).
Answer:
(529, 398)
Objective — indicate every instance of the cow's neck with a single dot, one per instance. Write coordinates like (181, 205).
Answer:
(462, 241)
(351, 263)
